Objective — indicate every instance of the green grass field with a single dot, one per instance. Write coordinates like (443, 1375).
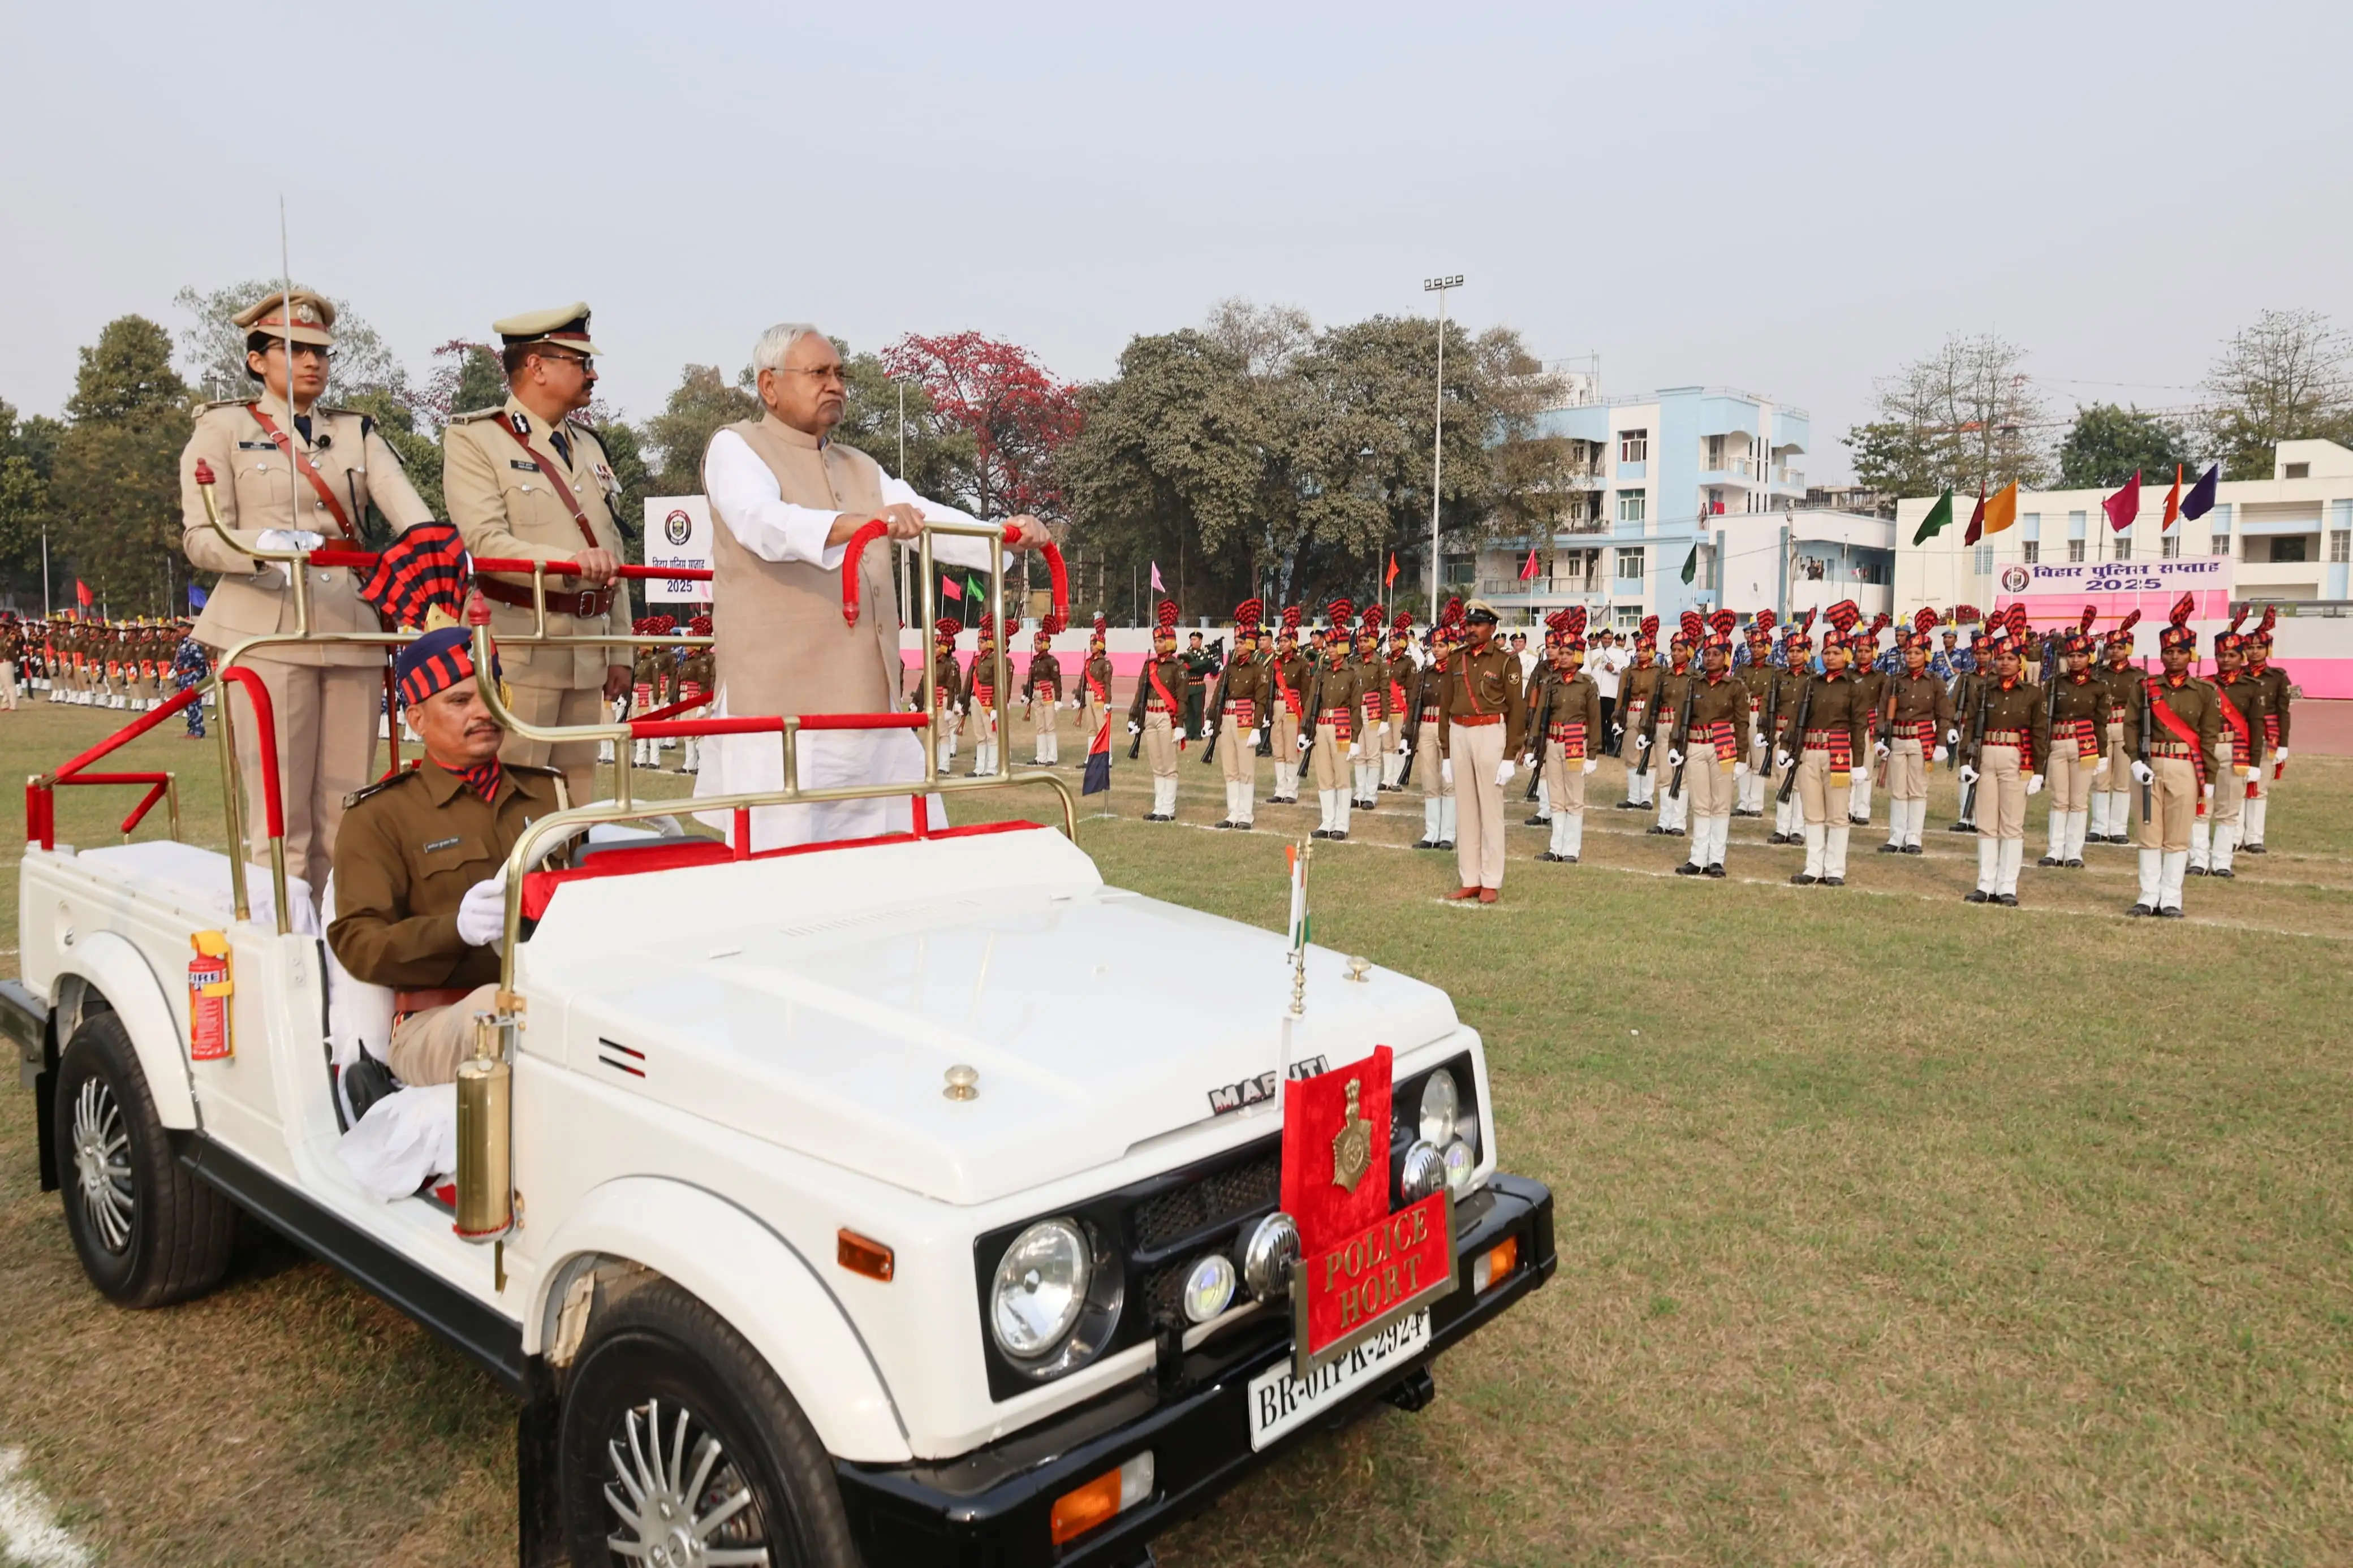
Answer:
(1892, 1229)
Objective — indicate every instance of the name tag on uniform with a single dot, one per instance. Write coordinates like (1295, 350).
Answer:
(256, 447)
(443, 844)
(527, 467)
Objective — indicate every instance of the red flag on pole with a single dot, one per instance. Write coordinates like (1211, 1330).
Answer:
(1977, 518)
(82, 593)
(2125, 505)
(1389, 579)
(1529, 571)
(2173, 501)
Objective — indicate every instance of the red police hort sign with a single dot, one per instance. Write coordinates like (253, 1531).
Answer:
(2058, 592)
(1361, 1267)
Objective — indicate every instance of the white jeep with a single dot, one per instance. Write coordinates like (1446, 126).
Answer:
(906, 1201)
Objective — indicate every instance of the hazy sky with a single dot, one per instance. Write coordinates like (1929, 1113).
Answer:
(1789, 199)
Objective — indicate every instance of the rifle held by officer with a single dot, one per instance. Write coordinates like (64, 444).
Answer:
(1215, 718)
(1797, 741)
(1542, 741)
(1977, 752)
(1682, 734)
(2147, 701)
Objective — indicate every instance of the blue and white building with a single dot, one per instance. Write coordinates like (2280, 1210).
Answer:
(1656, 474)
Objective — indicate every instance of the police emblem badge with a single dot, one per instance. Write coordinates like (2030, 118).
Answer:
(1352, 1147)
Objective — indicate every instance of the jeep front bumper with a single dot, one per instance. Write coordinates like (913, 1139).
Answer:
(993, 1506)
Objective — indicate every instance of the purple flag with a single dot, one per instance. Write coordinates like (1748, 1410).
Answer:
(2200, 498)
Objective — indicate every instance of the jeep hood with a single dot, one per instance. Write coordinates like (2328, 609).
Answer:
(1096, 1019)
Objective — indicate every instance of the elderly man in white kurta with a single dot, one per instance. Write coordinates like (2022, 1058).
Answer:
(786, 499)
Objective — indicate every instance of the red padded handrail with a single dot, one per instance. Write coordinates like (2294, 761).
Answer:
(657, 728)
(40, 795)
(364, 560)
(874, 528)
(264, 738)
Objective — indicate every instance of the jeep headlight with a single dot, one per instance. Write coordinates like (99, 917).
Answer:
(1040, 1287)
(1441, 1103)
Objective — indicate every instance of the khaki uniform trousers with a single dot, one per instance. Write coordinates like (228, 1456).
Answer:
(1707, 780)
(1824, 802)
(1907, 771)
(8, 683)
(1237, 751)
(2229, 788)
(1285, 739)
(2069, 775)
(1160, 744)
(2173, 805)
(1476, 750)
(325, 719)
(946, 724)
(427, 1046)
(1564, 779)
(1331, 760)
(2001, 793)
(1045, 723)
(549, 707)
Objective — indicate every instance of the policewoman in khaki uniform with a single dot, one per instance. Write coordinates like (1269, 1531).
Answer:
(527, 481)
(289, 473)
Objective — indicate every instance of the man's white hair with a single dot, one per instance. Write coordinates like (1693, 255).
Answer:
(777, 341)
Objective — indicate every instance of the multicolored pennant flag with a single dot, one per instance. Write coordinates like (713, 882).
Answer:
(1098, 775)
(2125, 505)
(2002, 510)
(2173, 501)
(1977, 518)
(1940, 518)
(2200, 498)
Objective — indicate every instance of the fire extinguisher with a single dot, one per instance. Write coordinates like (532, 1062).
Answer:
(209, 988)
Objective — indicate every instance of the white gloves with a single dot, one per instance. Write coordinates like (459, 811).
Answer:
(1781, 761)
(290, 538)
(2034, 783)
(2280, 756)
(1136, 728)
(1591, 764)
(1953, 736)
(2250, 771)
(1968, 775)
(2144, 774)
(1879, 750)
(1941, 755)
(2206, 791)
(1403, 748)
(2100, 768)
(1446, 770)
(482, 912)
(1258, 737)
(1503, 771)
(1641, 742)
(1740, 768)
(1674, 758)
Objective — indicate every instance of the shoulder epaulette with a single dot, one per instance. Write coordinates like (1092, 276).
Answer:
(403, 776)
(469, 418)
(228, 402)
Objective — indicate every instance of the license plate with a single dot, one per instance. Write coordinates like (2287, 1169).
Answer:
(1279, 1401)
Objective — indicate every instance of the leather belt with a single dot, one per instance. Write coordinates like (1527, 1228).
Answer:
(2007, 737)
(1475, 720)
(588, 604)
(2169, 749)
(407, 1004)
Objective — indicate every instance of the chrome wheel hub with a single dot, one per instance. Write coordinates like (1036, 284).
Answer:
(102, 1157)
(680, 1500)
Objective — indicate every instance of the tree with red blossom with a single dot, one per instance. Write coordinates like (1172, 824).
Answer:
(1017, 413)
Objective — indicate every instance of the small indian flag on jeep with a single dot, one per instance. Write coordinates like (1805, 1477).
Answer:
(1298, 921)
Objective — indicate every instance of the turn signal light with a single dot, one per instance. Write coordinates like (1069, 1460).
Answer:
(864, 1254)
(1494, 1266)
(1107, 1496)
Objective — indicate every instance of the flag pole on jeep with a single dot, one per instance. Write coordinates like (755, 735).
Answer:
(1297, 855)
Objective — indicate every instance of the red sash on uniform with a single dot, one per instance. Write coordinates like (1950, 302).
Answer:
(1921, 730)
(1290, 700)
(302, 466)
(1717, 732)
(2242, 742)
(1152, 673)
(2179, 728)
(1570, 734)
(1242, 711)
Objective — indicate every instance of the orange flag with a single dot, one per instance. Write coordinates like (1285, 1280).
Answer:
(2001, 508)
(2173, 501)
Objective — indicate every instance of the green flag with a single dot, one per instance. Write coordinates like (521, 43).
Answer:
(1940, 518)
(1691, 564)
(979, 593)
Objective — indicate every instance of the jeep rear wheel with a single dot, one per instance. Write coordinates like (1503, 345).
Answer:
(148, 1232)
(680, 1449)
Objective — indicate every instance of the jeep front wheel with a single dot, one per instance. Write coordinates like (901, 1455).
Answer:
(147, 1231)
(680, 1449)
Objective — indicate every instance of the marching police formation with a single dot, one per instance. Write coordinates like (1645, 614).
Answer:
(2178, 765)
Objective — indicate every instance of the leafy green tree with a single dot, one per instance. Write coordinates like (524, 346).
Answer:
(126, 373)
(2107, 445)
(621, 444)
(1894, 457)
(114, 487)
(698, 406)
(2288, 378)
(1964, 415)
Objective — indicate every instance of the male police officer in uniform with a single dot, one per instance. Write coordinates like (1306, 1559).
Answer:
(1041, 690)
(288, 473)
(1156, 711)
(528, 480)
(420, 885)
(1481, 713)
